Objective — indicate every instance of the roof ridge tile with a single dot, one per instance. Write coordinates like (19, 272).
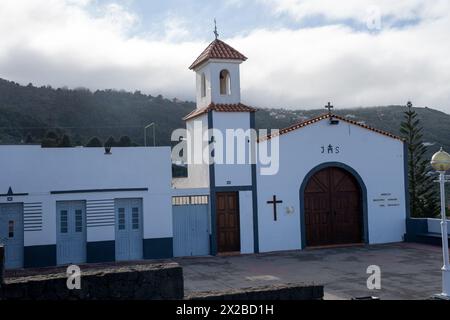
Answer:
(321, 117)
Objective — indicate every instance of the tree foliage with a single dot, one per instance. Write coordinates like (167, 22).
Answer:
(125, 141)
(111, 142)
(65, 142)
(422, 191)
(94, 142)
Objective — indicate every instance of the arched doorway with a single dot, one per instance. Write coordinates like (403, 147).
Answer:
(332, 208)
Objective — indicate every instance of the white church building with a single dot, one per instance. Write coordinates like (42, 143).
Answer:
(338, 182)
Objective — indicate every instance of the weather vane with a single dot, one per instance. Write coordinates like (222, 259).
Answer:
(215, 29)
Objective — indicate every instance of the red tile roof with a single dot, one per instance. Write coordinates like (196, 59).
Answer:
(327, 116)
(239, 107)
(218, 50)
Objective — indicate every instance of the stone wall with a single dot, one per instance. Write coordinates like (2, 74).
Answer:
(137, 282)
(275, 292)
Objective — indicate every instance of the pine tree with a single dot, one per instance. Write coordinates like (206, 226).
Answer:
(422, 191)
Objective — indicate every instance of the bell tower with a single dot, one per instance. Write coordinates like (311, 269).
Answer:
(227, 125)
(217, 74)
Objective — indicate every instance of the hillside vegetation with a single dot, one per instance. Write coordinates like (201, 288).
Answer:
(28, 113)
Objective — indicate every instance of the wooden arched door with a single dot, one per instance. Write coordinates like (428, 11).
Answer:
(333, 209)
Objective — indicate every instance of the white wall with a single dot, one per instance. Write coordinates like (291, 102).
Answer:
(246, 221)
(377, 158)
(37, 171)
(212, 71)
(434, 225)
(206, 100)
(232, 174)
(198, 172)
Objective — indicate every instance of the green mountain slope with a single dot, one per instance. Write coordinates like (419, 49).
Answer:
(81, 114)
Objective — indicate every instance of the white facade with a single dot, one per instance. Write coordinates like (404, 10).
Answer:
(376, 158)
(211, 94)
(40, 178)
(198, 171)
(238, 173)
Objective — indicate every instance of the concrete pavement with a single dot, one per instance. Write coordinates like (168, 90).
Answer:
(408, 271)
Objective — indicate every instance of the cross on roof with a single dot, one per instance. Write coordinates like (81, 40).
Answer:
(215, 29)
(409, 104)
(329, 107)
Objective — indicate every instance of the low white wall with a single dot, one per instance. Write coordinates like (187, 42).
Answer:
(434, 225)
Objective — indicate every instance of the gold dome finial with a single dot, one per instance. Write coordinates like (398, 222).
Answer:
(441, 160)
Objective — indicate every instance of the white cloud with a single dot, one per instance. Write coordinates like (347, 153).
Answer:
(358, 10)
(65, 42)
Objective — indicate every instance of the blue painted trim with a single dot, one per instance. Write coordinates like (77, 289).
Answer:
(212, 195)
(214, 190)
(406, 177)
(417, 231)
(40, 256)
(254, 189)
(414, 227)
(98, 190)
(14, 195)
(363, 198)
(161, 248)
(234, 188)
(102, 251)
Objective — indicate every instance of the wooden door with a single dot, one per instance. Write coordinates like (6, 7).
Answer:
(228, 230)
(333, 211)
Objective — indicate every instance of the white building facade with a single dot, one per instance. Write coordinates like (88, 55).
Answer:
(338, 183)
(80, 205)
(301, 205)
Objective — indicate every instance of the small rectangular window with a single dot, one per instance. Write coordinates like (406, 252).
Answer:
(203, 85)
(11, 229)
(63, 221)
(78, 221)
(135, 217)
(121, 218)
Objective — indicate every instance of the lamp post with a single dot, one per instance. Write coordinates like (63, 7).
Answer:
(441, 163)
(154, 133)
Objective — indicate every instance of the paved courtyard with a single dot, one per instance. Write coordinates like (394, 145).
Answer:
(408, 271)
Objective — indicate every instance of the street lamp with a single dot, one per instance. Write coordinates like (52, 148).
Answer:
(441, 163)
(154, 133)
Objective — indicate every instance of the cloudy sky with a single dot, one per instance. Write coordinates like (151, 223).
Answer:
(302, 53)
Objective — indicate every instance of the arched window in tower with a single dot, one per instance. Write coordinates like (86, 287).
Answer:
(225, 82)
(203, 85)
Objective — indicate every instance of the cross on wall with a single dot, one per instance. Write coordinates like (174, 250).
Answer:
(274, 202)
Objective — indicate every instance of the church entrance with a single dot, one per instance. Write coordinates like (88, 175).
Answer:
(333, 208)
